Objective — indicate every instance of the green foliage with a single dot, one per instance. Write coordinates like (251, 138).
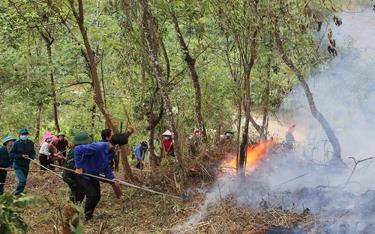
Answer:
(10, 213)
(75, 219)
(213, 29)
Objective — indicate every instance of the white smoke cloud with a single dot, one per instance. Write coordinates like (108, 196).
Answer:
(344, 91)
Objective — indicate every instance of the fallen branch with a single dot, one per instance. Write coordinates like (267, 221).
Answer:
(355, 166)
(293, 179)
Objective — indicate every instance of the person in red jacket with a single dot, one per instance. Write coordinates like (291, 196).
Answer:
(168, 143)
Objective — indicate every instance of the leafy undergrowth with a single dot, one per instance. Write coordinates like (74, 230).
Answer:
(142, 212)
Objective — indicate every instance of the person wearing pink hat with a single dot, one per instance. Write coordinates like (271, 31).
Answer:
(289, 137)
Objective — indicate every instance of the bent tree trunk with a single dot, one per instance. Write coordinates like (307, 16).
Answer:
(314, 110)
(160, 78)
(79, 17)
(190, 61)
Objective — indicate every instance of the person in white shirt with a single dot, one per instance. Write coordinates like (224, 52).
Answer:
(46, 153)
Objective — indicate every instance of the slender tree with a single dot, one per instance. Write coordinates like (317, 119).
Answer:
(190, 62)
(78, 14)
(149, 37)
(244, 38)
(298, 31)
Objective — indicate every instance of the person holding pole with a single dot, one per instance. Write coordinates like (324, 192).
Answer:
(5, 160)
(76, 194)
(21, 152)
(93, 159)
(140, 153)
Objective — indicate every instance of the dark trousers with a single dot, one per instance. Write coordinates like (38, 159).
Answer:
(76, 194)
(3, 176)
(44, 161)
(91, 188)
(139, 165)
(21, 173)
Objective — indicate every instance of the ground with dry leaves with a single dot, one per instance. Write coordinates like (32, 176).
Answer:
(141, 212)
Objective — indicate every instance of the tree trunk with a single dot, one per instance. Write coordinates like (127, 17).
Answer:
(53, 86)
(264, 128)
(160, 79)
(255, 124)
(247, 102)
(93, 115)
(314, 111)
(245, 131)
(151, 146)
(190, 61)
(79, 16)
(37, 123)
(239, 132)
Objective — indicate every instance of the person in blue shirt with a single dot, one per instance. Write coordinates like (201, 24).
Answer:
(140, 153)
(21, 152)
(93, 159)
(76, 194)
(5, 160)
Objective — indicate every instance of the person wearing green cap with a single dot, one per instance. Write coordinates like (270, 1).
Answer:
(94, 159)
(5, 160)
(76, 194)
(21, 152)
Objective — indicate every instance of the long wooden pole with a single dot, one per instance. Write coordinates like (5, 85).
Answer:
(121, 182)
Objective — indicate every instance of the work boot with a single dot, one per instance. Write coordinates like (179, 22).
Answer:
(88, 219)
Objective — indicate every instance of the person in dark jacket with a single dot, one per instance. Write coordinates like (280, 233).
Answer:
(93, 159)
(106, 135)
(61, 146)
(76, 193)
(21, 152)
(5, 160)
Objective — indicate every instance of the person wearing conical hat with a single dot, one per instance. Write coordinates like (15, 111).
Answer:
(21, 152)
(168, 143)
(5, 160)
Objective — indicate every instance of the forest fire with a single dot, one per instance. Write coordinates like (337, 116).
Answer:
(255, 155)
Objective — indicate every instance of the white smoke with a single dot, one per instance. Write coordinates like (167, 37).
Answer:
(344, 91)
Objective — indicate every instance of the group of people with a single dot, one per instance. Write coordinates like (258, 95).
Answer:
(16, 154)
(78, 159)
(53, 149)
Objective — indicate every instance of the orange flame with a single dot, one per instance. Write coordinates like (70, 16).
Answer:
(255, 155)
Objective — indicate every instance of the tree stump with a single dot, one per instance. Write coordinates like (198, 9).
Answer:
(69, 212)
